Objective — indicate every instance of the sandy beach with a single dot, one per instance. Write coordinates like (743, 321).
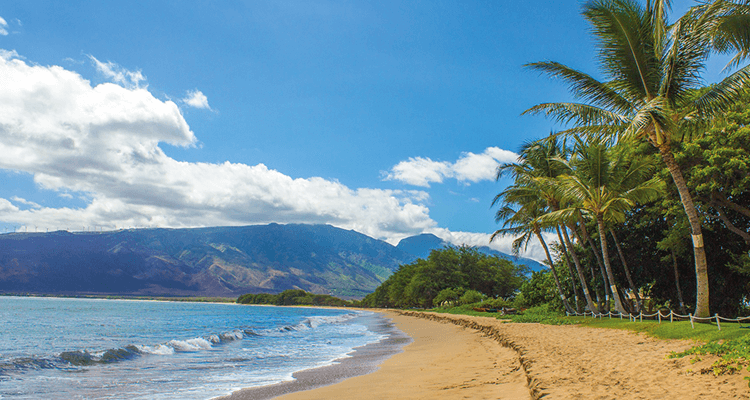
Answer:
(462, 357)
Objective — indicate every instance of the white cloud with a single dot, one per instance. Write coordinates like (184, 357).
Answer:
(3, 27)
(470, 167)
(103, 142)
(196, 98)
(118, 74)
(26, 202)
(419, 171)
(504, 243)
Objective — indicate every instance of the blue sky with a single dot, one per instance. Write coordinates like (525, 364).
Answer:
(386, 117)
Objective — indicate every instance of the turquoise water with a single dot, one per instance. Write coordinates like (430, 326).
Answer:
(53, 348)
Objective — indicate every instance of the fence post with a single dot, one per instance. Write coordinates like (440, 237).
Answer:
(691, 320)
(670, 316)
(717, 321)
(620, 316)
(659, 313)
(610, 314)
(640, 316)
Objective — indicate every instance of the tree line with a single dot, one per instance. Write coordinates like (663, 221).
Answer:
(449, 274)
(293, 297)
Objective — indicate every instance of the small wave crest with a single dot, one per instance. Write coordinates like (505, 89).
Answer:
(316, 321)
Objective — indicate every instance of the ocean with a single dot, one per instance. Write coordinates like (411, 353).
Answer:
(60, 348)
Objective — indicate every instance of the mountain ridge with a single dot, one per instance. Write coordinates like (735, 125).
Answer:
(212, 261)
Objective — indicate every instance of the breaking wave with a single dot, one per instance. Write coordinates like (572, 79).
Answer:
(75, 360)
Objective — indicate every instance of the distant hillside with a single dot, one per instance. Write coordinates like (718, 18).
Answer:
(422, 245)
(224, 261)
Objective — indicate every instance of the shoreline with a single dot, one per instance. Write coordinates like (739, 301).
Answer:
(361, 361)
(459, 356)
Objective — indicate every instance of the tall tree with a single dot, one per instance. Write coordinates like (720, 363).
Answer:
(605, 182)
(651, 68)
(523, 222)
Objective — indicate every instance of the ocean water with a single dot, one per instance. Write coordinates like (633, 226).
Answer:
(54, 348)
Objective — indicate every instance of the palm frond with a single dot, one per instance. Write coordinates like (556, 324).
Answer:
(627, 46)
(577, 113)
(721, 96)
(584, 86)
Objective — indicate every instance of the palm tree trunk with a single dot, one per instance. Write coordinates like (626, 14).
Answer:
(677, 282)
(699, 252)
(579, 269)
(627, 271)
(605, 281)
(576, 294)
(554, 273)
(591, 267)
(605, 255)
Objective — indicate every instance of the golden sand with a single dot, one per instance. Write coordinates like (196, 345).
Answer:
(462, 357)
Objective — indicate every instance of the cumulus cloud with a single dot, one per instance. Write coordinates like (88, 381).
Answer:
(3, 27)
(503, 243)
(470, 167)
(118, 74)
(196, 98)
(103, 141)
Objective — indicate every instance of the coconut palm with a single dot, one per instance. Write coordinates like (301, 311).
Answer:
(727, 27)
(651, 70)
(523, 222)
(604, 182)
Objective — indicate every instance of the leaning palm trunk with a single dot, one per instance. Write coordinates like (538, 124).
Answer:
(591, 268)
(605, 255)
(699, 252)
(554, 273)
(639, 304)
(597, 255)
(677, 282)
(579, 269)
(576, 295)
(607, 288)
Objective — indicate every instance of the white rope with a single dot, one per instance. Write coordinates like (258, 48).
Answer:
(659, 316)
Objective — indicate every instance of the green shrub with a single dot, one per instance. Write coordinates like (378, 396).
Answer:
(494, 303)
(471, 296)
(450, 295)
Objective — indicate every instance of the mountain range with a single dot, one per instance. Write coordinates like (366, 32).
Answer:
(220, 261)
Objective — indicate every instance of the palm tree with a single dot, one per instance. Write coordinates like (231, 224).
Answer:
(652, 71)
(625, 266)
(523, 222)
(604, 182)
(727, 25)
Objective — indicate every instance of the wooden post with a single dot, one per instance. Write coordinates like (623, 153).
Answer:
(659, 313)
(717, 321)
(691, 321)
(670, 316)
(640, 316)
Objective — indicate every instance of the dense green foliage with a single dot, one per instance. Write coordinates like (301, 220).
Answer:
(449, 274)
(676, 232)
(293, 298)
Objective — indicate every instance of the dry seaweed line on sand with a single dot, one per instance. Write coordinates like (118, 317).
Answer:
(492, 332)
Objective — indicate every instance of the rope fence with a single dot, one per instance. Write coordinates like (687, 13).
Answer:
(659, 315)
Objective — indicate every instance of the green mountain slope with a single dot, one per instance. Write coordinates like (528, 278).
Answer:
(222, 261)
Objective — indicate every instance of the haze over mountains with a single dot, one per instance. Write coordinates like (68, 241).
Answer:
(221, 261)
